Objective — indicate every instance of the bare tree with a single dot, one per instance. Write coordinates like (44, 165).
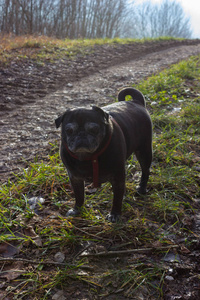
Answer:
(93, 18)
(163, 19)
(63, 18)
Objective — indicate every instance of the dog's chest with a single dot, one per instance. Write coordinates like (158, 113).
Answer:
(92, 170)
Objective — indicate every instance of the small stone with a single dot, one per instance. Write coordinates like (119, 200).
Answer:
(33, 201)
(70, 85)
(59, 257)
(169, 278)
(58, 296)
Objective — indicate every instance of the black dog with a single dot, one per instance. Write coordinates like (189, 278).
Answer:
(96, 143)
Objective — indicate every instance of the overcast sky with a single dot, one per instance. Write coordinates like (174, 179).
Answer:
(192, 10)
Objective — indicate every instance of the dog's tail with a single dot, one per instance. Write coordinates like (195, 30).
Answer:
(136, 95)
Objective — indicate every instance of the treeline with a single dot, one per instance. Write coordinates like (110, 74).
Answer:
(93, 18)
(63, 18)
(162, 19)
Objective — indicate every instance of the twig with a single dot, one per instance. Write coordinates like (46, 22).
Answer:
(126, 252)
(36, 262)
(90, 234)
(83, 250)
(9, 259)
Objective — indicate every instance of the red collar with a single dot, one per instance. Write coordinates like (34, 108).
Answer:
(94, 158)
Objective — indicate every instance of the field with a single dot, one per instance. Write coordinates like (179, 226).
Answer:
(151, 253)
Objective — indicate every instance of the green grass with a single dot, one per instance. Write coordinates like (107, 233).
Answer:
(42, 49)
(147, 221)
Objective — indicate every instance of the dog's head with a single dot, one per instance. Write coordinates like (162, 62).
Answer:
(83, 129)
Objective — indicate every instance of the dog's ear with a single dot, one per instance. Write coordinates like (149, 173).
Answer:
(59, 120)
(101, 112)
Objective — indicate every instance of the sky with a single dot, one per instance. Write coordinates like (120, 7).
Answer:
(192, 10)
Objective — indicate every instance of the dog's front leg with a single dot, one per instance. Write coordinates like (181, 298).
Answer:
(78, 188)
(118, 186)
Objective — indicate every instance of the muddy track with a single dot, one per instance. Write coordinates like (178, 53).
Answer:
(31, 96)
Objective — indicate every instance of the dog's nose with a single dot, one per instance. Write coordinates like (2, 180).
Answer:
(82, 134)
(81, 142)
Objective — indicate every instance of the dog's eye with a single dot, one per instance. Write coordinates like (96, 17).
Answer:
(70, 129)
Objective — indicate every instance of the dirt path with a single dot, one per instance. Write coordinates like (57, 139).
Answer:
(26, 130)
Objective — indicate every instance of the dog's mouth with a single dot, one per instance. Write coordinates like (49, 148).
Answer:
(83, 150)
(82, 153)
(83, 146)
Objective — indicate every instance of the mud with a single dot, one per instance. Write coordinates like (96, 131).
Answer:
(33, 96)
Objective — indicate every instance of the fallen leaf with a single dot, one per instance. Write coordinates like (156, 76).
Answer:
(8, 249)
(3, 296)
(12, 271)
(29, 231)
(185, 250)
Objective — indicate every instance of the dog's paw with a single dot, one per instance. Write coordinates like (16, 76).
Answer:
(113, 218)
(73, 212)
(141, 191)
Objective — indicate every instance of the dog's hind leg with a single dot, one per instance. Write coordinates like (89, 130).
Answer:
(145, 158)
